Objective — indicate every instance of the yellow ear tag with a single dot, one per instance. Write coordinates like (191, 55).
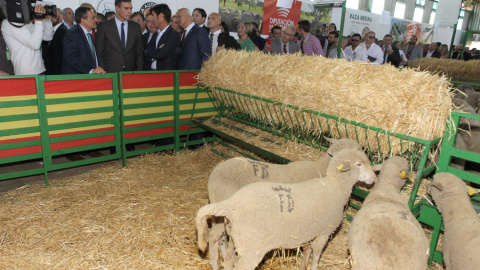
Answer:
(471, 191)
(339, 168)
(402, 175)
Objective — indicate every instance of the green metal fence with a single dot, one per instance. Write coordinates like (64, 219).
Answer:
(43, 118)
(311, 128)
(426, 212)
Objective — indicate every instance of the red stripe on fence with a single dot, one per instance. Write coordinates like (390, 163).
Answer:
(75, 86)
(82, 142)
(188, 79)
(17, 87)
(20, 151)
(147, 80)
(150, 132)
(26, 139)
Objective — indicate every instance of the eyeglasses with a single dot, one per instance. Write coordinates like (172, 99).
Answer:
(138, 20)
(355, 39)
(285, 33)
(371, 37)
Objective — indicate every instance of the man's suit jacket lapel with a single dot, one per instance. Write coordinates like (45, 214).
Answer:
(190, 35)
(86, 46)
(130, 35)
(115, 34)
(165, 37)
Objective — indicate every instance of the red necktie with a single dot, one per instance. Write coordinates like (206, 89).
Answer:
(284, 48)
(94, 35)
(183, 37)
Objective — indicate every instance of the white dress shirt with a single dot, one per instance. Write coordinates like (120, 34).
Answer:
(119, 28)
(215, 41)
(160, 34)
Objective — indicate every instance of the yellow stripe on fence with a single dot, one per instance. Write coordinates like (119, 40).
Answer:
(18, 110)
(78, 94)
(18, 98)
(79, 118)
(79, 105)
(140, 100)
(19, 124)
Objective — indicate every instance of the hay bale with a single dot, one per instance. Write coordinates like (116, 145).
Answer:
(412, 103)
(452, 68)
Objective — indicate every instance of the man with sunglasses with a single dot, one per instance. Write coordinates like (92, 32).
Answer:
(355, 52)
(284, 44)
(374, 52)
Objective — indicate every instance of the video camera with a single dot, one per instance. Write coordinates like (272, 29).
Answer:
(21, 11)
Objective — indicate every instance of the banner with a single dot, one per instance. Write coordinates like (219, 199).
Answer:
(360, 22)
(282, 17)
(404, 30)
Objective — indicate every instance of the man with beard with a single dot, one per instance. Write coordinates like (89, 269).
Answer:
(412, 51)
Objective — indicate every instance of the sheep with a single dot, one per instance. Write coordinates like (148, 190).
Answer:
(384, 234)
(264, 216)
(233, 174)
(461, 237)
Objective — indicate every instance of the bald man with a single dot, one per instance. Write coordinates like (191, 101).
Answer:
(213, 24)
(194, 43)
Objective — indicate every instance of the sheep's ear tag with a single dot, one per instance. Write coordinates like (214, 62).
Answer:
(403, 174)
(471, 191)
(344, 167)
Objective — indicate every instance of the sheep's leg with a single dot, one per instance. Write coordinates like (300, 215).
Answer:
(317, 247)
(229, 257)
(306, 256)
(216, 233)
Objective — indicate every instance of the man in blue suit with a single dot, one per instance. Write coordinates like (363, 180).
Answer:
(79, 55)
(162, 52)
(194, 42)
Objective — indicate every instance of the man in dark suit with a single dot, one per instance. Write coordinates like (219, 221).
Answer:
(432, 52)
(150, 36)
(79, 56)
(391, 53)
(119, 41)
(55, 50)
(163, 50)
(194, 43)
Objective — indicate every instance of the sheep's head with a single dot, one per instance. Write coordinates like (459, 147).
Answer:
(352, 163)
(394, 170)
(446, 185)
(340, 144)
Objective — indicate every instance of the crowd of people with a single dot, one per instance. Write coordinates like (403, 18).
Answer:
(84, 41)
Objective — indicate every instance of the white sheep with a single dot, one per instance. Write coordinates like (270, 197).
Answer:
(384, 234)
(264, 216)
(461, 238)
(233, 174)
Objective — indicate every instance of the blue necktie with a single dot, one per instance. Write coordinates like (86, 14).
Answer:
(122, 37)
(90, 43)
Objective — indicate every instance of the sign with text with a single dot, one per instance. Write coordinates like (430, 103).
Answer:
(360, 22)
(280, 16)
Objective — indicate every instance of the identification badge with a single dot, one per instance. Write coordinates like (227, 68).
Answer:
(7, 53)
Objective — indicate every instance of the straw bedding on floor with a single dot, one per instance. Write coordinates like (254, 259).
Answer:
(137, 217)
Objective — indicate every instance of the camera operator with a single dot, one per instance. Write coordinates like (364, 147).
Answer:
(24, 43)
(6, 67)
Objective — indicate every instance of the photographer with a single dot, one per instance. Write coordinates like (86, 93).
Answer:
(24, 43)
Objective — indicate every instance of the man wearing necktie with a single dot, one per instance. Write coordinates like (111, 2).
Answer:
(284, 44)
(213, 24)
(119, 41)
(195, 43)
(390, 54)
(149, 39)
(79, 54)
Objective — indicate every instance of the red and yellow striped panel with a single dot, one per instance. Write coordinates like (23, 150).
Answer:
(144, 83)
(79, 88)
